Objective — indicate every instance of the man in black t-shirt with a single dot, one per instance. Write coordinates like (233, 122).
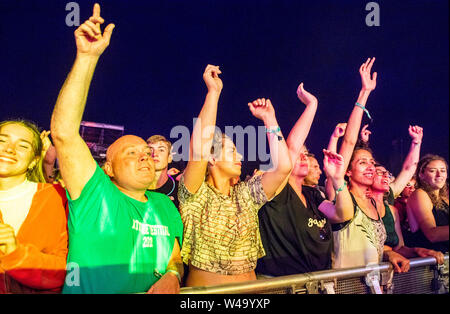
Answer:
(161, 150)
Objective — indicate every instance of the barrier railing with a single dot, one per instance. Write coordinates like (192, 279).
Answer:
(424, 277)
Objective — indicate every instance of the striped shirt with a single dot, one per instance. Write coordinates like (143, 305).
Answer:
(221, 232)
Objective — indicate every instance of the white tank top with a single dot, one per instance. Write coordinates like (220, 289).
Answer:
(360, 242)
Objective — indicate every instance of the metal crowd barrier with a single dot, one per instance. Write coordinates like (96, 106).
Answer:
(424, 277)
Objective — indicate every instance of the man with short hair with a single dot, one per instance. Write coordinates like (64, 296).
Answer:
(161, 150)
(122, 238)
(314, 172)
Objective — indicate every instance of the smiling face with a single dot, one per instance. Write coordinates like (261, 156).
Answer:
(362, 168)
(16, 150)
(129, 163)
(434, 174)
(381, 180)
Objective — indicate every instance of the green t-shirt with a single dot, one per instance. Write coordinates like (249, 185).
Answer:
(118, 244)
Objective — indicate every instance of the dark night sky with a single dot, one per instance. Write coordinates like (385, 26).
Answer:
(150, 77)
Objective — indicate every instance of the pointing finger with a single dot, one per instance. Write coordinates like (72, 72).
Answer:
(96, 10)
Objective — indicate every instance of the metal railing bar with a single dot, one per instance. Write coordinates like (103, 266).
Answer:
(285, 282)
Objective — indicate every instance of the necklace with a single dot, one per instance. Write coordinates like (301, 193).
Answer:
(173, 185)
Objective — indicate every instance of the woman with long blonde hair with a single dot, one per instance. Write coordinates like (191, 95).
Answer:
(33, 223)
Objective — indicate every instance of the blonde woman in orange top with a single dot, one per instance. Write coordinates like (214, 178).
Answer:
(33, 223)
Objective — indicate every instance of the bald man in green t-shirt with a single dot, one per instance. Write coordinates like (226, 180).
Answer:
(122, 238)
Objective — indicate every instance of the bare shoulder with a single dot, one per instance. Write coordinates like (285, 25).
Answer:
(419, 195)
(419, 200)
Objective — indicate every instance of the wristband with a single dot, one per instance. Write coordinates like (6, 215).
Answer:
(275, 131)
(365, 110)
(341, 188)
(175, 273)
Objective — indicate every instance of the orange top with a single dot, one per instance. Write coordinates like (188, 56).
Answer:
(38, 265)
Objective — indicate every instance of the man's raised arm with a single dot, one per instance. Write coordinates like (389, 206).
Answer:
(76, 162)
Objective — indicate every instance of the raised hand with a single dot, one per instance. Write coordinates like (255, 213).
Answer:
(46, 143)
(305, 97)
(88, 36)
(211, 78)
(368, 82)
(339, 130)
(333, 165)
(173, 171)
(365, 134)
(262, 109)
(416, 133)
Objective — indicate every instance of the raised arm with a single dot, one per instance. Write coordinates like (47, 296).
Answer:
(354, 122)
(338, 132)
(300, 131)
(75, 159)
(410, 163)
(342, 209)
(202, 136)
(279, 154)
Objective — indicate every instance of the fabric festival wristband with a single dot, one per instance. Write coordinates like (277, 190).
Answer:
(365, 110)
(274, 131)
(341, 188)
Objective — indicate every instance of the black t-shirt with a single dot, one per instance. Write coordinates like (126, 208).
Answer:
(170, 188)
(297, 239)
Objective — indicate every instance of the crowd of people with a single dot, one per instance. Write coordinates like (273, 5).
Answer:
(133, 225)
